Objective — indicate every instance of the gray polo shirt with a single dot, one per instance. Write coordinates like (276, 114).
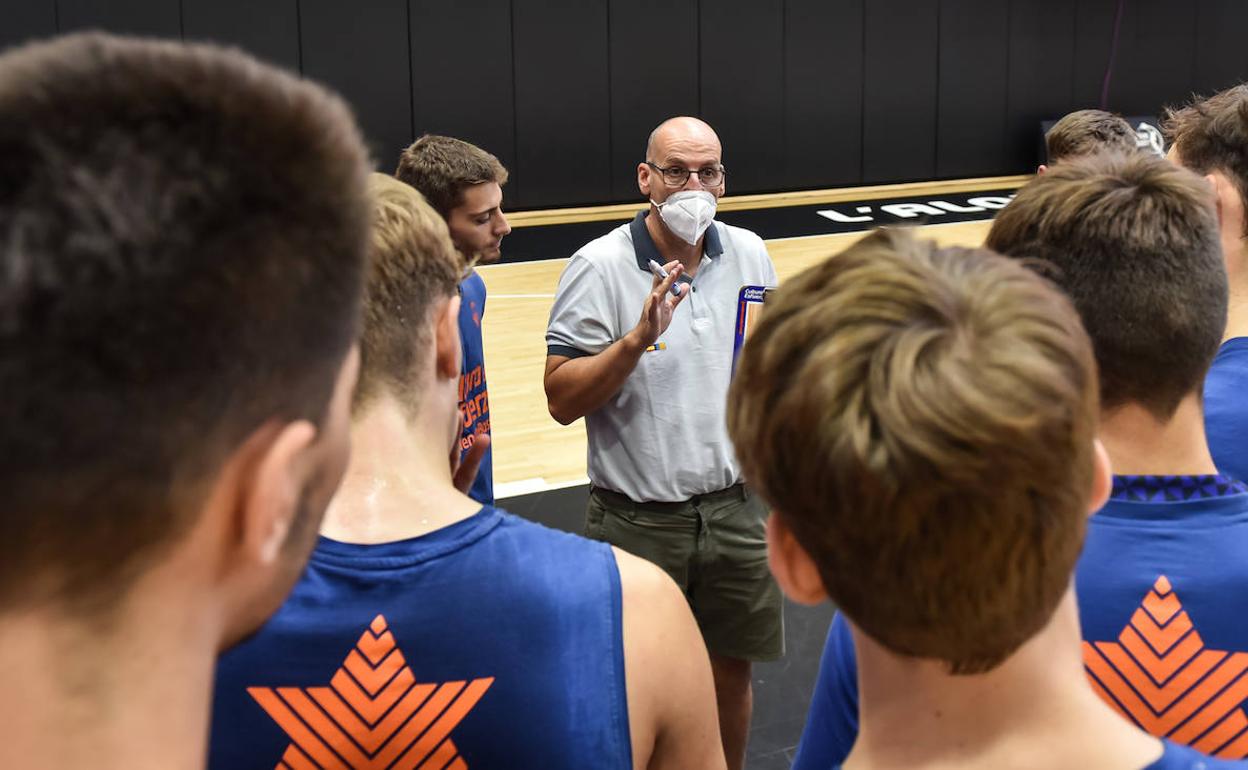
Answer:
(663, 437)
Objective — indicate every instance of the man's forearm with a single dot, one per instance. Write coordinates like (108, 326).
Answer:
(577, 386)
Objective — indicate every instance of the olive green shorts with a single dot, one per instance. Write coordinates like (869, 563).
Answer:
(715, 547)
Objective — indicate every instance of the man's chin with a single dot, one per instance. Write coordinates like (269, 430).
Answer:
(490, 256)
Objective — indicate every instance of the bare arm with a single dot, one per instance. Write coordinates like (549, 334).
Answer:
(672, 712)
(577, 386)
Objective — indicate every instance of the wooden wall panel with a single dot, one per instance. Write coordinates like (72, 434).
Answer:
(268, 29)
(804, 93)
(742, 70)
(823, 64)
(970, 120)
(462, 76)
(361, 51)
(647, 87)
(899, 91)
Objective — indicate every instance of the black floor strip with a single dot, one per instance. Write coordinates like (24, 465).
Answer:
(526, 244)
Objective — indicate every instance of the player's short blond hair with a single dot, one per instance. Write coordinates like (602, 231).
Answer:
(923, 420)
(412, 265)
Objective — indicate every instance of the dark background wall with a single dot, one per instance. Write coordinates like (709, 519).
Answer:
(804, 93)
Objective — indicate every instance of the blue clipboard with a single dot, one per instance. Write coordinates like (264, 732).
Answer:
(750, 301)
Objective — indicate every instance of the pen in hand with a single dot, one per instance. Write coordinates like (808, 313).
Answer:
(661, 274)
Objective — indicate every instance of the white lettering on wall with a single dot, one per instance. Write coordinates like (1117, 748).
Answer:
(991, 201)
(911, 210)
(837, 216)
(955, 208)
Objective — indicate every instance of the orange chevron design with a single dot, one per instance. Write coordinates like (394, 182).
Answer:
(374, 715)
(1160, 676)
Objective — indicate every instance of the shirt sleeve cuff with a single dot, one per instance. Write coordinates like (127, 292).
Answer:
(564, 350)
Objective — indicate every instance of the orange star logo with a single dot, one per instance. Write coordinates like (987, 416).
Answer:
(374, 715)
(1160, 675)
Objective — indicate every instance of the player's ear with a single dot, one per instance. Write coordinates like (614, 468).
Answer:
(1102, 477)
(280, 477)
(446, 338)
(792, 566)
(1219, 187)
(643, 179)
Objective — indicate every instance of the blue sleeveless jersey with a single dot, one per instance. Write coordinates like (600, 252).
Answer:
(1176, 757)
(493, 642)
(1226, 412)
(1162, 586)
(474, 396)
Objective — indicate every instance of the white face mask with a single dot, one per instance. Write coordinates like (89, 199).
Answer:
(687, 213)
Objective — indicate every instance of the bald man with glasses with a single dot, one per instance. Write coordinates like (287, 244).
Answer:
(646, 361)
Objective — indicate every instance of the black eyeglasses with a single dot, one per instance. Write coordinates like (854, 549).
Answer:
(677, 176)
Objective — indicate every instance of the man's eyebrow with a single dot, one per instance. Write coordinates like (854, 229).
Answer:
(671, 161)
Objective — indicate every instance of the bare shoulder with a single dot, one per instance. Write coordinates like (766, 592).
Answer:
(644, 578)
(661, 607)
(657, 605)
(671, 694)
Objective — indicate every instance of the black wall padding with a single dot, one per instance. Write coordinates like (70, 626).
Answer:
(805, 93)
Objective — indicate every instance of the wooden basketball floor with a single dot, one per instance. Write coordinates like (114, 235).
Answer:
(534, 453)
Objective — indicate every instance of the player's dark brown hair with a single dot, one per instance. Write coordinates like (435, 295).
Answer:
(442, 167)
(1212, 135)
(182, 251)
(1086, 132)
(923, 420)
(412, 265)
(1133, 240)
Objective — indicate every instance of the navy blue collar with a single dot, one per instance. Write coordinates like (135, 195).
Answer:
(411, 550)
(1147, 489)
(643, 244)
